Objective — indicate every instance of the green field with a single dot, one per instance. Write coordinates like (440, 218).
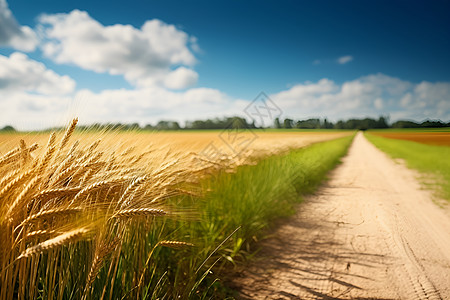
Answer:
(432, 161)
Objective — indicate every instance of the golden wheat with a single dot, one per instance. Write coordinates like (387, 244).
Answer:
(139, 212)
(175, 244)
(61, 239)
(54, 203)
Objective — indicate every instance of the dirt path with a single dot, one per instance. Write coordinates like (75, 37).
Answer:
(370, 233)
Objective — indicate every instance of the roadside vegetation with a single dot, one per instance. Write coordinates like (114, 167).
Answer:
(91, 221)
(432, 160)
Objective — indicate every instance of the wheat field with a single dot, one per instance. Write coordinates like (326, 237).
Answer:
(82, 215)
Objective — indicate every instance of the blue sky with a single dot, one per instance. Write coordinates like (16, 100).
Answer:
(334, 59)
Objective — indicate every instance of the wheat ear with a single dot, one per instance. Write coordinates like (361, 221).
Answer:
(175, 244)
(61, 239)
(23, 194)
(100, 253)
(139, 212)
(68, 134)
(56, 212)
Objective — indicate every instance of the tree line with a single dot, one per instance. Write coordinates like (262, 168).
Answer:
(239, 122)
(361, 124)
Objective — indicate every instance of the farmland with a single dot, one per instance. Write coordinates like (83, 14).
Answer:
(419, 152)
(424, 136)
(184, 143)
(150, 215)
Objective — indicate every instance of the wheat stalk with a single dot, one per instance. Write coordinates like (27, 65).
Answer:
(15, 182)
(61, 239)
(100, 253)
(68, 134)
(24, 151)
(58, 192)
(175, 244)
(131, 188)
(23, 194)
(39, 233)
(94, 187)
(50, 213)
(139, 212)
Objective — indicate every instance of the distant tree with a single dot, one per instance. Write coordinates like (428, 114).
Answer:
(162, 125)
(8, 128)
(382, 122)
(167, 125)
(277, 123)
(175, 126)
(308, 124)
(237, 122)
(339, 125)
(405, 124)
(134, 126)
(288, 123)
(433, 124)
(326, 124)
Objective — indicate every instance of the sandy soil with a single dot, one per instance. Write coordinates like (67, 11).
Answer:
(370, 233)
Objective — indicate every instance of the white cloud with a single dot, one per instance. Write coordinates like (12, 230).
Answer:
(26, 111)
(316, 62)
(12, 34)
(344, 59)
(32, 96)
(366, 96)
(181, 78)
(145, 56)
(151, 104)
(433, 99)
(19, 73)
(378, 103)
(144, 105)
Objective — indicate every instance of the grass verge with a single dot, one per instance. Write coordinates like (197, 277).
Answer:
(253, 197)
(431, 160)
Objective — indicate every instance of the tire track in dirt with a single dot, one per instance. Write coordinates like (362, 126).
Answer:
(370, 233)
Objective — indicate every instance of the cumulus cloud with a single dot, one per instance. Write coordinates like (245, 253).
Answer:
(145, 56)
(432, 99)
(370, 95)
(152, 104)
(181, 78)
(344, 59)
(20, 73)
(12, 34)
(27, 111)
(367, 96)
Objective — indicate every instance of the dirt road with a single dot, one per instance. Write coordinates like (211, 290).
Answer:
(370, 233)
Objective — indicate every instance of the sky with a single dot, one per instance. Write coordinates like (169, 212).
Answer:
(144, 61)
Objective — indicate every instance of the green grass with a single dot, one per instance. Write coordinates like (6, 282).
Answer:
(249, 199)
(431, 160)
(411, 130)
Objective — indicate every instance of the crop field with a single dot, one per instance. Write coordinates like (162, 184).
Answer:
(427, 136)
(101, 215)
(225, 141)
(429, 158)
